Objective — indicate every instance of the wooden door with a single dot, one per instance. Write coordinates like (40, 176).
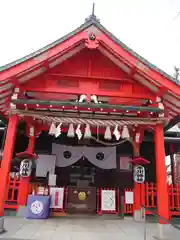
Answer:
(81, 200)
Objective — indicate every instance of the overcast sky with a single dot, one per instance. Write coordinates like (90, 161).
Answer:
(149, 27)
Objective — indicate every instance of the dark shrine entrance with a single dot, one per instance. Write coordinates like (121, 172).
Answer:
(82, 168)
(80, 179)
(83, 179)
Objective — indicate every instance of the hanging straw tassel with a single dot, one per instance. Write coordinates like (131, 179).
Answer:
(70, 132)
(58, 130)
(116, 133)
(107, 134)
(125, 133)
(87, 133)
(78, 132)
(52, 129)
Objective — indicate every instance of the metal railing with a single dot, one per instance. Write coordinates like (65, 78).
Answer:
(159, 217)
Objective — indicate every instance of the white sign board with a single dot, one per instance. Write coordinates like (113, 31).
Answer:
(139, 174)
(57, 197)
(129, 198)
(108, 200)
(52, 179)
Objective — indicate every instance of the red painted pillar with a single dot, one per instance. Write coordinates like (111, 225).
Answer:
(173, 170)
(161, 175)
(24, 181)
(137, 197)
(6, 159)
(137, 190)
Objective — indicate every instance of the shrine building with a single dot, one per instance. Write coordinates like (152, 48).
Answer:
(83, 114)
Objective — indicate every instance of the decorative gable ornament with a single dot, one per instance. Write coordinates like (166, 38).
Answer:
(116, 133)
(92, 42)
(125, 133)
(87, 133)
(107, 134)
(71, 132)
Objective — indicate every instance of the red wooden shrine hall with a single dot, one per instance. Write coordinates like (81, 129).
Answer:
(85, 84)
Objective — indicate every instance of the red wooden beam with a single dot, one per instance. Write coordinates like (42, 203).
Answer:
(74, 76)
(53, 89)
(133, 71)
(161, 92)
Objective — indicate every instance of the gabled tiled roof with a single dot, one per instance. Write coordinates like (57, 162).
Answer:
(91, 21)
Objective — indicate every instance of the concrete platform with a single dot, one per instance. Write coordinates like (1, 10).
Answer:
(79, 228)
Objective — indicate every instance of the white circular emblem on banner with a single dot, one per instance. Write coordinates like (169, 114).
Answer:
(139, 174)
(36, 207)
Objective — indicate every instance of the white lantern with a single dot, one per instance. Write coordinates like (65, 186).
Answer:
(139, 174)
(25, 168)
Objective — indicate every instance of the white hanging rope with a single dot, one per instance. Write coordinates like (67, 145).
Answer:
(111, 144)
(93, 122)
